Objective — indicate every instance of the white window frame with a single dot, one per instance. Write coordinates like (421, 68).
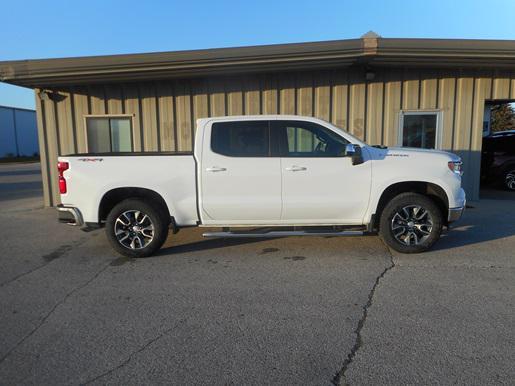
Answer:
(439, 121)
(109, 116)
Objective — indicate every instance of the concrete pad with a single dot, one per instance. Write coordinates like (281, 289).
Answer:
(275, 311)
(439, 326)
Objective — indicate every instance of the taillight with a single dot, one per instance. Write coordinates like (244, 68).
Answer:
(62, 167)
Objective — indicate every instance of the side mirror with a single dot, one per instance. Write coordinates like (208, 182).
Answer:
(354, 151)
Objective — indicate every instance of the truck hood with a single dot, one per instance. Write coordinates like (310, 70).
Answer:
(407, 151)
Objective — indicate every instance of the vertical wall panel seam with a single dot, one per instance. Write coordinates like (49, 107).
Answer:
(192, 116)
(208, 93)
(295, 94)
(158, 117)
(313, 96)
(106, 104)
(419, 85)
(331, 85)
(454, 111)
(347, 113)
(47, 156)
(278, 94)
(437, 90)
(492, 85)
(122, 99)
(402, 92)
(509, 86)
(243, 98)
(226, 99)
(16, 134)
(382, 112)
(365, 118)
(140, 112)
(474, 79)
(74, 125)
(472, 182)
(89, 101)
(57, 129)
(174, 110)
(260, 85)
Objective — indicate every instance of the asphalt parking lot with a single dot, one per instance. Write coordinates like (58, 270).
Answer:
(290, 311)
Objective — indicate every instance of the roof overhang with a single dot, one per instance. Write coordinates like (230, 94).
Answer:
(370, 50)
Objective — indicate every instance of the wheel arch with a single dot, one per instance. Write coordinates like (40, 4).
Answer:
(430, 189)
(116, 195)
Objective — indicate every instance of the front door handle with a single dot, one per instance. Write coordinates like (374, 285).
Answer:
(295, 168)
(215, 169)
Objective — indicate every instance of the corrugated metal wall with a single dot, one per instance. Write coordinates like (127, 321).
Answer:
(165, 111)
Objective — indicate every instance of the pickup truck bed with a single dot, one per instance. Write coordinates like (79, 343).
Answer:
(171, 175)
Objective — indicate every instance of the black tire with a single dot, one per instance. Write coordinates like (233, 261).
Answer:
(509, 179)
(131, 247)
(419, 242)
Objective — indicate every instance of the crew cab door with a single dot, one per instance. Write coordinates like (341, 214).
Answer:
(240, 183)
(320, 185)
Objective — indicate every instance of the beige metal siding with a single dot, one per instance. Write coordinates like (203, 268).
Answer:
(165, 111)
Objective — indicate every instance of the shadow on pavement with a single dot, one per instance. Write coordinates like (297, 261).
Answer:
(489, 219)
(207, 244)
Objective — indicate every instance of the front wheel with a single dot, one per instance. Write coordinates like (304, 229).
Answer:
(411, 223)
(509, 179)
(135, 228)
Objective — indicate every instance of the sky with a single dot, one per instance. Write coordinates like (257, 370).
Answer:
(48, 29)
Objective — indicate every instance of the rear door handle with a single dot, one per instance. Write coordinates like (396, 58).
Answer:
(295, 168)
(215, 169)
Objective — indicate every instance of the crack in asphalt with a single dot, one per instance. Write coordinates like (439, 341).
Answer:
(134, 353)
(45, 318)
(49, 257)
(339, 377)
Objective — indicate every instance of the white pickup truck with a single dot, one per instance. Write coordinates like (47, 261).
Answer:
(264, 176)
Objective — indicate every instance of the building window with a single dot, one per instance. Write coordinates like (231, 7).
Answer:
(420, 129)
(109, 134)
(241, 139)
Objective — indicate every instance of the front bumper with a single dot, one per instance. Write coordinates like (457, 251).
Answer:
(455, 214)
(69, 215)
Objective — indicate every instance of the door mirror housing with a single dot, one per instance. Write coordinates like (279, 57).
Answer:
(354, 151)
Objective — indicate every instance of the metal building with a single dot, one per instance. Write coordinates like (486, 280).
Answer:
(408, 92)
(18, 132)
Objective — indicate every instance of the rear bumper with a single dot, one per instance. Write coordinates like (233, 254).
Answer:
(69, 215)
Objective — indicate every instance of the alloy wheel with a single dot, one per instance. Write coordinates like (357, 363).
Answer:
(134, 229)
(509, 180)
(412, 225)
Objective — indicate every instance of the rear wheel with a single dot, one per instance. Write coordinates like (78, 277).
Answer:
(411, 223)
(135, 228)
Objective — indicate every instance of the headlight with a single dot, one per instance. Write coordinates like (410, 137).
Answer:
(456, 167)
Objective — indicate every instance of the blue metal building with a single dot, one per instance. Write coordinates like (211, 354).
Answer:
(18, 132)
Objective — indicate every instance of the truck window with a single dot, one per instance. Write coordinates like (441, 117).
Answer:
(307, 139)
(240, 139)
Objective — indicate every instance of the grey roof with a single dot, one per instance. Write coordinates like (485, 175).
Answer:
(370, 50)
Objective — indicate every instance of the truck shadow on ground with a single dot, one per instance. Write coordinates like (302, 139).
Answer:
(486, 220)
(207, 244)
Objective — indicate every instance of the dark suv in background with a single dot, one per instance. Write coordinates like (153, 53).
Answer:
(498, 159)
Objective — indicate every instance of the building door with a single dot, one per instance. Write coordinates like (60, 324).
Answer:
(319, 184)
(240, 182)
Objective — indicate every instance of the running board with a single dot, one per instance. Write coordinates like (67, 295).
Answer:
(282, 234)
